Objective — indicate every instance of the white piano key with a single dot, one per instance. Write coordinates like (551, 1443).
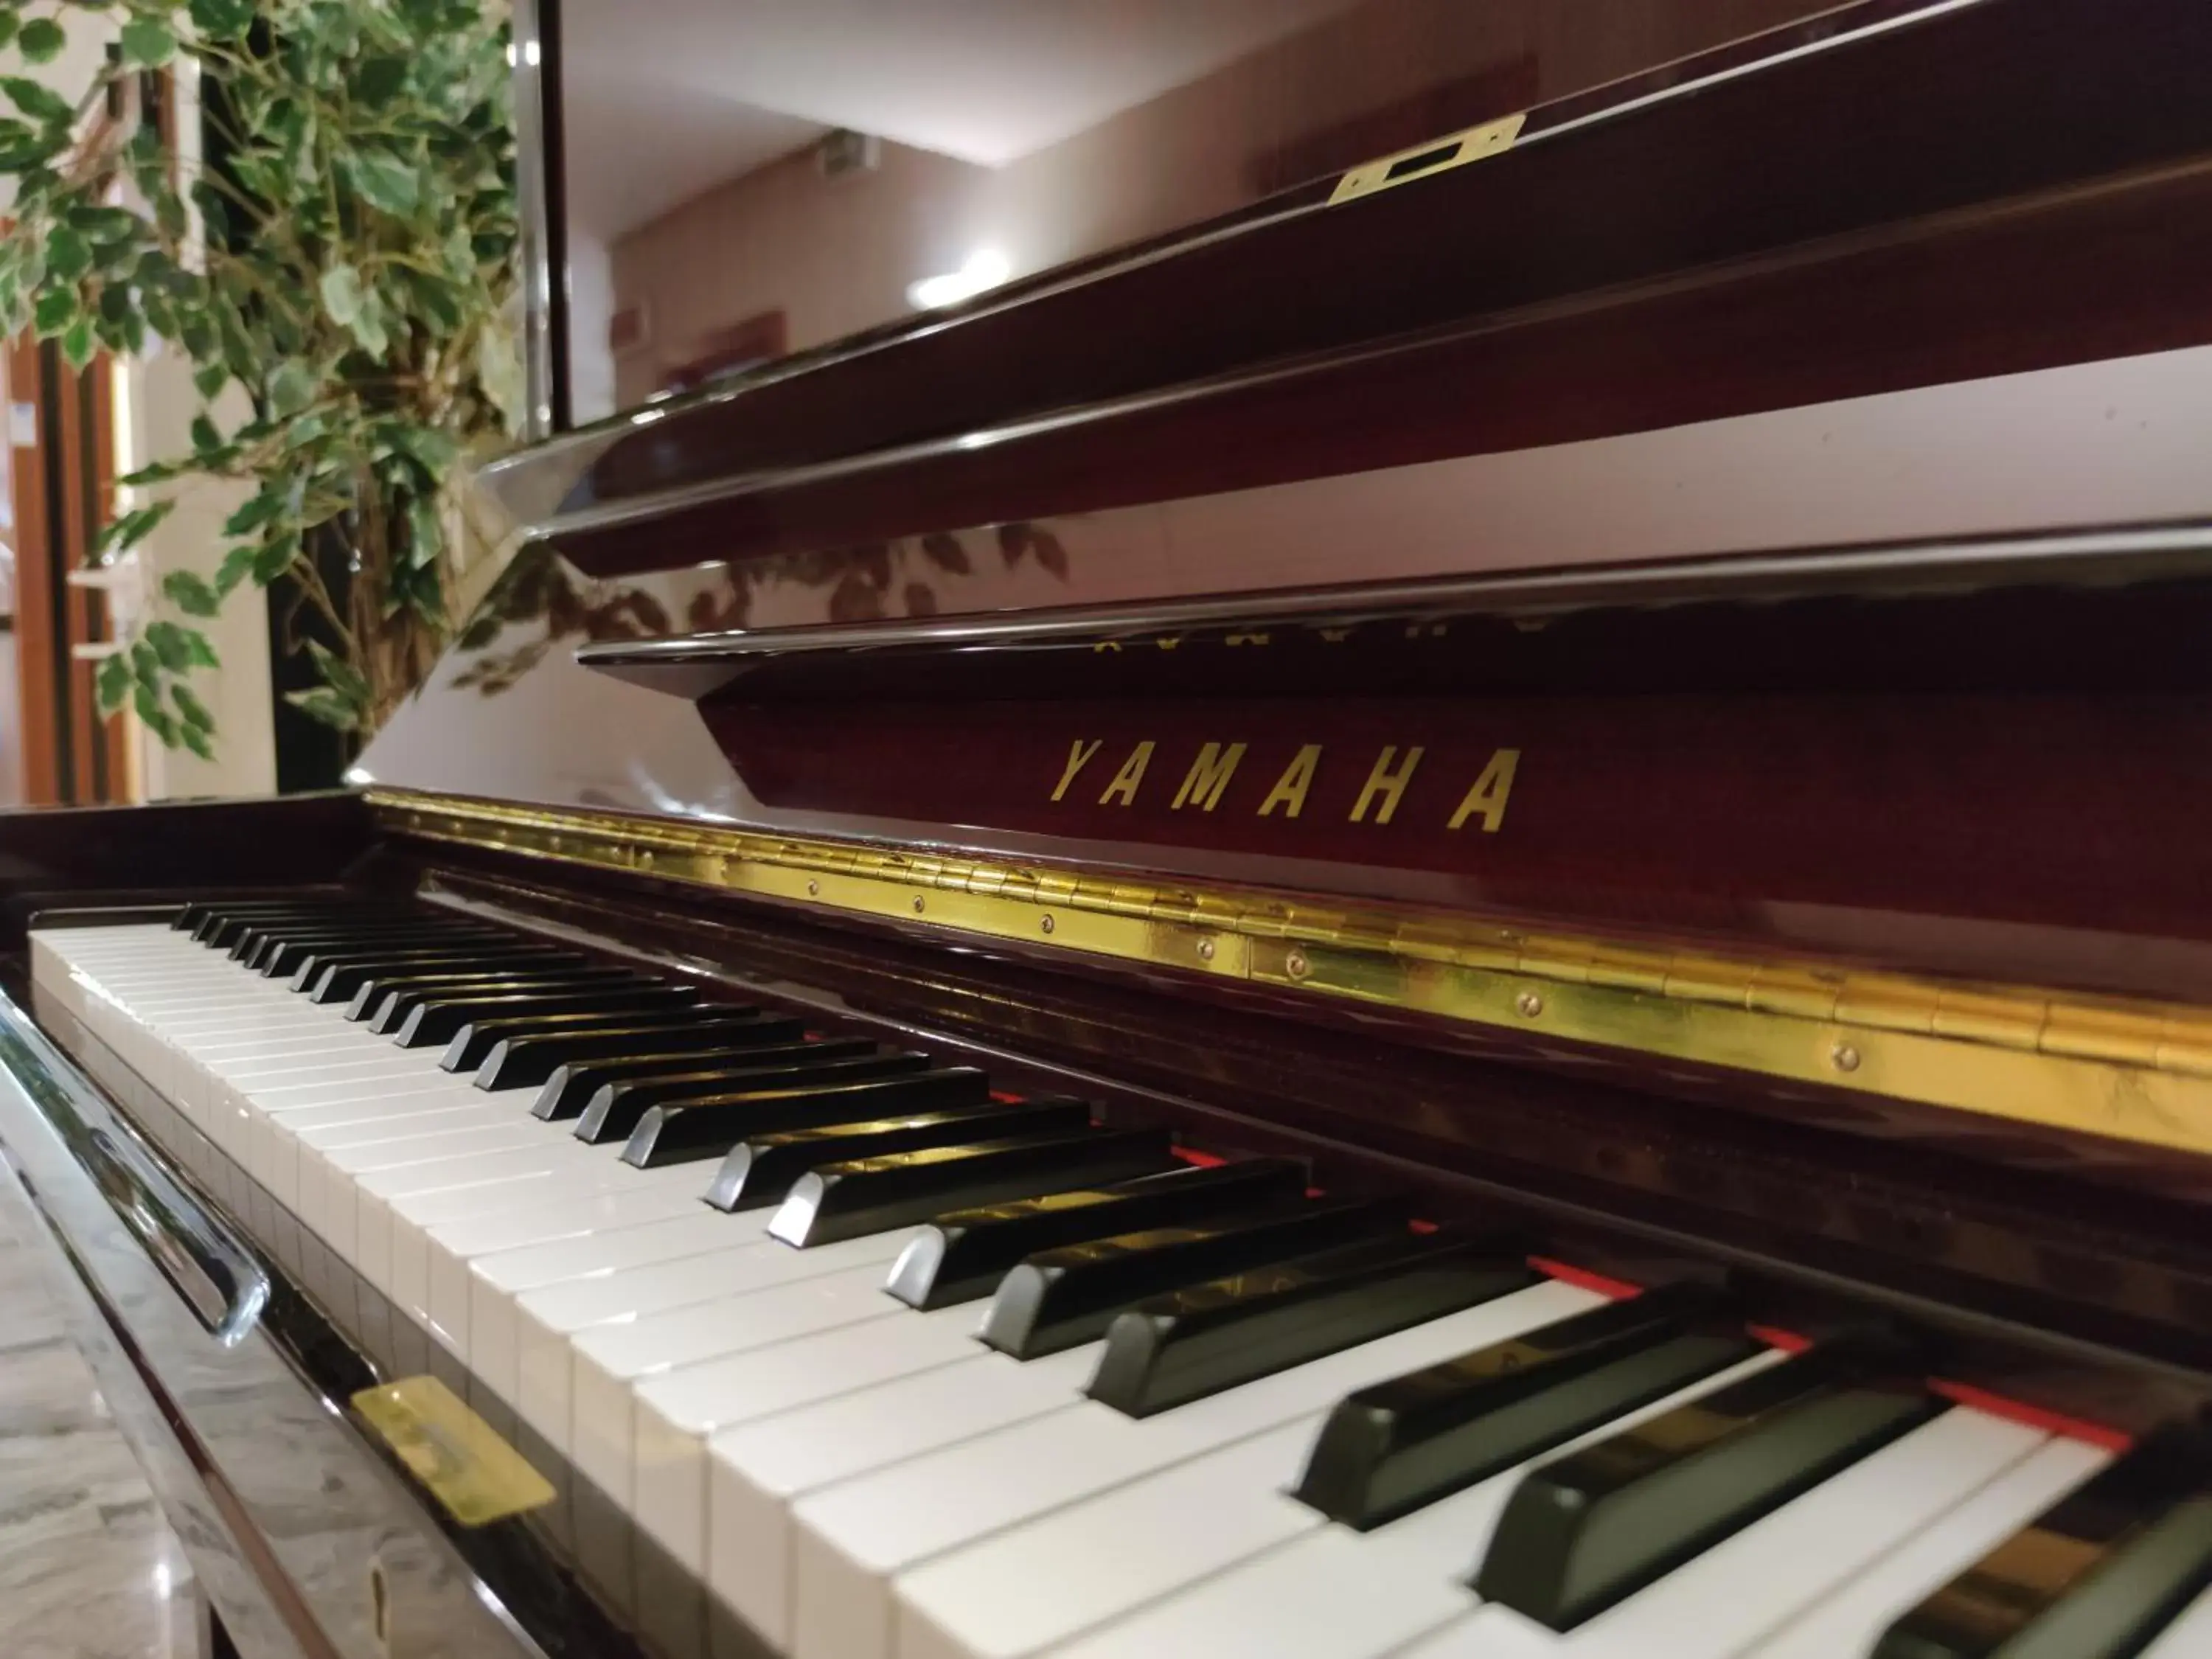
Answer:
(2189, 1637)
(1732, 1595)
(1016, 1593)
(546, 1320)
(1851, 1618)
(329, 1182)
(480, 1294)
(854, 1538)
(368, 1218)
(284, 1113)
(756, 1472)
(608, 1361)
(1373, 1590)
(676, 1414)
(549, 1190)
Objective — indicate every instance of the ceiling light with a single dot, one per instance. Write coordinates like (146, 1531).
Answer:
(985, 268)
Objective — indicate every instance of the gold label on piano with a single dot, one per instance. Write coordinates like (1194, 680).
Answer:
(454, 1453)
(1204, 781)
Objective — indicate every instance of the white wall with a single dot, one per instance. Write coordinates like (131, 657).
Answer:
(590, 309)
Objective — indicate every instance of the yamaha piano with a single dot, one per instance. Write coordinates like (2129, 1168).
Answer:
(1468, 915)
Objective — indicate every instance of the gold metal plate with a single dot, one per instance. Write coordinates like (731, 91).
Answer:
(2132, 1070)
(465, 1465)
(1454, 149)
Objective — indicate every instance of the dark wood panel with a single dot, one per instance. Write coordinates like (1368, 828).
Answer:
(138, 853)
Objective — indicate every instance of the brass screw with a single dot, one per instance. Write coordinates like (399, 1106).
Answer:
(917, 904)
(1529, 1004)
(1206, 950)
(814, 889)
(1046, 924)
(1845, 1056)
(1297, 964)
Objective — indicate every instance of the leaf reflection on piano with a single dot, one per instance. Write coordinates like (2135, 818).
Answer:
(544, 593)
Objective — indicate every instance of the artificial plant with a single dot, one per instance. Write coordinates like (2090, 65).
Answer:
(343, 250)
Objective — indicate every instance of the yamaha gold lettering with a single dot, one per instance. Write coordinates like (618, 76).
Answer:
(1205, 782)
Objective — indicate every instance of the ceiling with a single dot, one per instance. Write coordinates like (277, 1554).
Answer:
(666, 98)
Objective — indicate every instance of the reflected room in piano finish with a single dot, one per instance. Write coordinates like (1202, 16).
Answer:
(1297, 828)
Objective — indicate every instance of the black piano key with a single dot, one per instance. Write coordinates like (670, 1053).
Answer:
(220, 929)
(282, 958)
(254, 941)
(1388, 1449)
(685, 1131)
(1060, 1298)
(527, 1063)
(1202, 1338)
(1579, 1535)
(204, 921)
(573, 1085)
(961, 1257)
(274, 950)
(614, 1113)
(2097, 1575)
(760, 1170)
(472, 1045)
(384, 1002)
(869, 1196)
(335, 976)
(437, 1021)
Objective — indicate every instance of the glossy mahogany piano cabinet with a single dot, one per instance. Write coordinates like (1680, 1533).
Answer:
(1468, 917)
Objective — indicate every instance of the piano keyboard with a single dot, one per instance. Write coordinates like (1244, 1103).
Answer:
(897, 1364)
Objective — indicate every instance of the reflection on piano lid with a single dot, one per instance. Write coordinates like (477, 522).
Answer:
(1504, 952)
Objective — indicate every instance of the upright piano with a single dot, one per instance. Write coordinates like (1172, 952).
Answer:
(1467, 917)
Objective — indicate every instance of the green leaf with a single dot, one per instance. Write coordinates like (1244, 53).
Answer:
(210, 380)
(259, 510)
(167, 639)
(430, 448)
(237, 565)
(206, 435)
(191, 593)
(41, 40)
(8, 22)
(325, 705)
(194, 711)
(68, 256)
(291, 388)
(222, 20)
(148, 702)
(144, 664)
(148, 43)
(383, 180)
(127, 532)
(426, 531)
(341, 289)
(273, 558)
(35, 98)
(77, 343)
(114, 682)
(202, 653)
(196, 740)
(342, 676)
(55, 310)
(155, 472)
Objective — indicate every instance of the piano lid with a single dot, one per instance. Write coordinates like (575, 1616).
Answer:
(1757, 623)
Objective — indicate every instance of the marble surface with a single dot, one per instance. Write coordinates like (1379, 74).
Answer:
(88, 1568)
